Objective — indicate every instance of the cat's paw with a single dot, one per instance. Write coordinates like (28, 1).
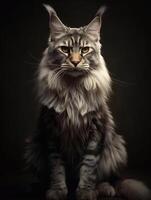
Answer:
(105, 189)
(58, 194)
(83, 194)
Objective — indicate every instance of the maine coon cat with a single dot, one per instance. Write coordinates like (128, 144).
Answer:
(75, 147)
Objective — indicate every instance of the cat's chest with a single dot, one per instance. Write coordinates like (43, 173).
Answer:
(76, 104)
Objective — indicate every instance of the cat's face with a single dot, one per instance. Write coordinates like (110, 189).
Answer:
(73, 51)
(73, 60)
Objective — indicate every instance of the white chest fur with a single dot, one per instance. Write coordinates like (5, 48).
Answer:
(74, 101)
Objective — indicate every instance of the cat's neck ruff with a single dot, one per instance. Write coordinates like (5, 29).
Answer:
(72, 100)
(75, 101)
(86, 96)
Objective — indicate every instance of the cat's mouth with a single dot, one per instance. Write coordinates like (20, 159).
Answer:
(75, 72)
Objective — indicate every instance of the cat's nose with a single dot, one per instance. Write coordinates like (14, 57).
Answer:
(75, 58)
(75, 62)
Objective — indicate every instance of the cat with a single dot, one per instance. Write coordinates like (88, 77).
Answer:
(75, 148)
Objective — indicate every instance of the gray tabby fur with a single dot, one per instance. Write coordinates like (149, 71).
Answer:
(80, 91)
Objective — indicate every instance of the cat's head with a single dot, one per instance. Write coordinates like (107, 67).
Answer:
(74, 53)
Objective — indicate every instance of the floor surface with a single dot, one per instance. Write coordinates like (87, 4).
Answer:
(23, 186)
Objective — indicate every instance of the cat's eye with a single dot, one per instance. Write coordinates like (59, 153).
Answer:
(65, 49)
(85, 50)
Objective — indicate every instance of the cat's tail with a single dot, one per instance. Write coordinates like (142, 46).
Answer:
(133, 190)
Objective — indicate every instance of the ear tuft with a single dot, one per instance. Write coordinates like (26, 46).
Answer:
(49, 9)
(101, 11)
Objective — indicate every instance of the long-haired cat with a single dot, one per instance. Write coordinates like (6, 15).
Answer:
(75, 147)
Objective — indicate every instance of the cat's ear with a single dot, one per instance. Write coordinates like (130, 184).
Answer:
(94, 27)
(57, 28)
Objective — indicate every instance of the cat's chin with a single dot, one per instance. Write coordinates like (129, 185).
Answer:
(76, 73)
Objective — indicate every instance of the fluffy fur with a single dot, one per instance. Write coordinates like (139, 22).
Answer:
(75, 140)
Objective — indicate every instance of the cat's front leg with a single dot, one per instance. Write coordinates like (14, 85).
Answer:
(87, 184)
(86, 188)
(58, 188)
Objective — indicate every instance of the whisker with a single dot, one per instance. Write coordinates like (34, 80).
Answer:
(52, 64)
(118, 81)
(122, 82)
(57, 74)
(115, 80)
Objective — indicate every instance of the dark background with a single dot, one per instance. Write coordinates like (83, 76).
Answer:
(125, 38)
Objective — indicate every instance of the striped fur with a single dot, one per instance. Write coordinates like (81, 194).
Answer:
(75, 143)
